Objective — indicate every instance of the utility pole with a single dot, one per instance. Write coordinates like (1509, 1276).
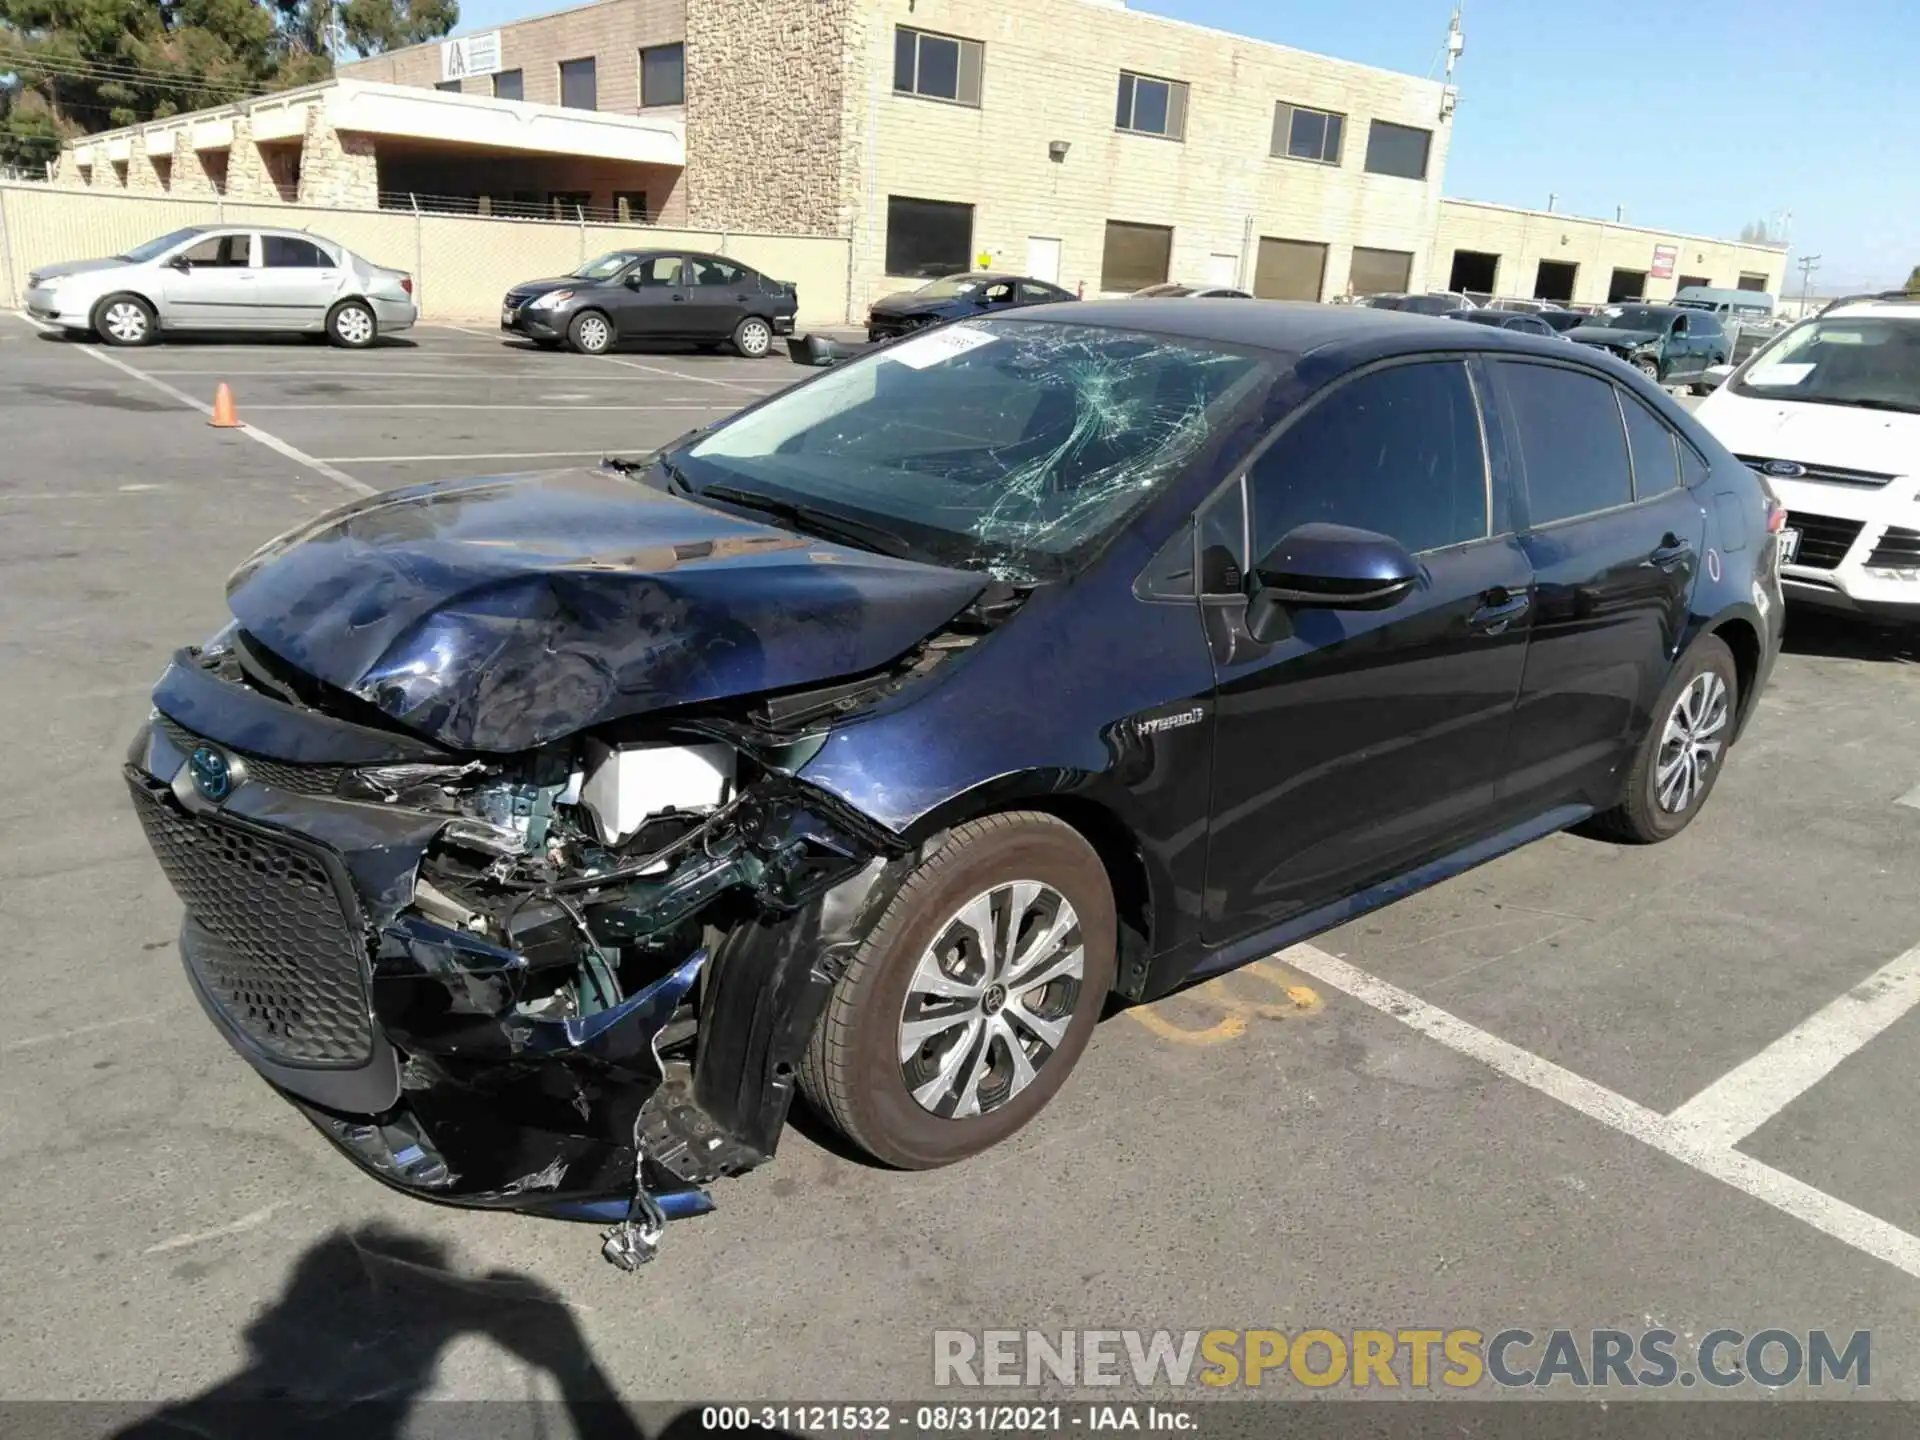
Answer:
(1808, 264)
(1552, 197)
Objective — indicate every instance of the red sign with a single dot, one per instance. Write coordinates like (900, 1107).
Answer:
(1664, 257)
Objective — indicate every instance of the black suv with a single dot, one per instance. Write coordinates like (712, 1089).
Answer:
(649, 295)
(542, 837)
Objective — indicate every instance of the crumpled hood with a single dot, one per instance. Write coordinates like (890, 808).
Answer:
(501, 613)
(1608, 336)
(907, 302)
(75, 267)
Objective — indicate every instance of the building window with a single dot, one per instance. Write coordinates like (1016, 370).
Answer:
(663, 75)
(1397, 150)
(452, 87)
(631, 207)
(1379, 272)
(577, 88)
(1303, 134)
(508, 85)
(1148, 106)
(568, 204)
(1136, 256)
(928, 238)
(1691, 282)
(1554, 281)
(1627, 285)
(940, 67)
(1750, 281)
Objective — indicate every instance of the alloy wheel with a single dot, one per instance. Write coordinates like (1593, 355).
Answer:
(1692, 742)
(991, 999)
(126, 322)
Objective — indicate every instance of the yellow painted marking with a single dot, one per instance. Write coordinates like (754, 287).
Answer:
(1237, 1010)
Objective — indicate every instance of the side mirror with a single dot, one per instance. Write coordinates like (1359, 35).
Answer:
(633, 280)
(1716, 375)
(1329, 567)
(181, 263)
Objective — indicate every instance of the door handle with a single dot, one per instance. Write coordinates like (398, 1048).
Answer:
(1499, 608)
(1671, 551)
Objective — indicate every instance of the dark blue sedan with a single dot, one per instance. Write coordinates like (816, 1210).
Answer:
(956, 297)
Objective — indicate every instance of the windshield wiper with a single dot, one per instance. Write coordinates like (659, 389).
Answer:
(809, 519)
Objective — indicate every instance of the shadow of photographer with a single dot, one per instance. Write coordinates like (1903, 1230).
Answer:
(352, 1344)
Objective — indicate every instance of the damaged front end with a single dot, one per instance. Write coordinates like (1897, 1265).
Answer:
(574, 981)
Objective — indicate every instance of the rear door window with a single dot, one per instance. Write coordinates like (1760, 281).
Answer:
(1655, 468)
(1397, 452)
(1572, 443)
(287, 252)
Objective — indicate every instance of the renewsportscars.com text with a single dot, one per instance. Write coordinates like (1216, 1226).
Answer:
(1416, 1359)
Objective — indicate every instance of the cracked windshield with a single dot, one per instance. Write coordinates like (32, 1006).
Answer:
(1012, 447)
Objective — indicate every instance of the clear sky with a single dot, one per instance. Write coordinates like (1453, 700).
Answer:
(1695, 115)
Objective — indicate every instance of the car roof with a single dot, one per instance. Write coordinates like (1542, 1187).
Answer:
(1893, 308)
(1357, 332)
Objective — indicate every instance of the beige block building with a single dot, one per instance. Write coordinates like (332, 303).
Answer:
(1075, 140)
(1543, 254)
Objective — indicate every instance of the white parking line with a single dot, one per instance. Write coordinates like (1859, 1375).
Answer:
(252, 432)
(578, 376)
(1911, 798)
(556, 405)
(490, 455)
(1745, 1098)
(1683, 1142)
(676, 374)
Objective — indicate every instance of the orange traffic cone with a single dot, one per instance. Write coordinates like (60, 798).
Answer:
(223, 415)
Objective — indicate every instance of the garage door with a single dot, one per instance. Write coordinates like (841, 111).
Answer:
(1377, 271)
(1289, 269)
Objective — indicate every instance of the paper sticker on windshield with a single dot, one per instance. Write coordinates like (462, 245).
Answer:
(1778, 374)
(921, 351)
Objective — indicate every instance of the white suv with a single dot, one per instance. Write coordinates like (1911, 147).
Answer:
(1830, 414)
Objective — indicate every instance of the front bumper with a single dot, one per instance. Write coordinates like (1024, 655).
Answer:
(1852, 563)
(409, 1044)
(533, 324)
(44, 304)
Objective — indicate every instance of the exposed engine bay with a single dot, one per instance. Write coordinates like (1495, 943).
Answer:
(589, 968)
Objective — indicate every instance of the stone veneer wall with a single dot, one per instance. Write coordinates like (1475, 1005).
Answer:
(337, 168)
(765, 115)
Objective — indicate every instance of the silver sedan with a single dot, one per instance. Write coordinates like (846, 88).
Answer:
(223, 277)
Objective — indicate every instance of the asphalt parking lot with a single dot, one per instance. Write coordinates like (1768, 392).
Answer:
(1456, 1112)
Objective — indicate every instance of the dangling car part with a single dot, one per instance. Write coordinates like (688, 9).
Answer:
(540, 837)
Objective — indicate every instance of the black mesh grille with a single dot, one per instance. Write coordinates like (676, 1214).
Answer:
(1824, 541)
(280, 774)
(1899, 548)
(286, 966)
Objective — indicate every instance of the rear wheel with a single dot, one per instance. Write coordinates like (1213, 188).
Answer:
(967, 1006)
(753, 337)
(591, 333)
(124, 320)
(351, 325)
(1681, 754)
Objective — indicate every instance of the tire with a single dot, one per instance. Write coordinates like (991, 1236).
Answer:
(1649, 368)
(591, 333)
(753, 337)
(125, 319)
(351, 325)
(1707, 682)
(852, 1072)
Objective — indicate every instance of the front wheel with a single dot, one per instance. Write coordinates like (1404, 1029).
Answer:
(753, 337)
(1649, 368)
(591, 333)
(1681, 754)
(351, 325)
(124, 320)
(966, 1007)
